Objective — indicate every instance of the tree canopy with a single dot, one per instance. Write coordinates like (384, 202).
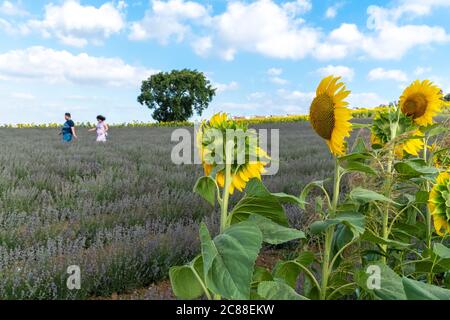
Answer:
(175, 95)
(447, 97)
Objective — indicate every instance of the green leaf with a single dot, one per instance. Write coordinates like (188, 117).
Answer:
(308, 188)
(274, 290)
(288, 198)
(369, 235)
(365, 195)
(207, 188)
(261, 274)
(354, 220)
(390, 283)
(422, 197)
(441, 251)
(229, 259)
(305, 258)
(359, 146)
(256, 188)
(355, 156)
(274, 233)
(436, 130)
(414, 168)
(268, 207)
(258, 200)
(288, 271)
(185, 284)
(416, 290)
(355, 166)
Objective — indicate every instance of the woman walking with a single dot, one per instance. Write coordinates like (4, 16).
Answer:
(101, 129)
(68, 129)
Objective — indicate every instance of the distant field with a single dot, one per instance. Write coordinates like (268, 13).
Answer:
(121, 211)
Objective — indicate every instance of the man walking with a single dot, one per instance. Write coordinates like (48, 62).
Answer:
(68, 129)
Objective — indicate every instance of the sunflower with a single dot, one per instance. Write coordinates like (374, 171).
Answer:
(439, 203)
(255, 158)
(329, 114)
(414, 145)
(422, 100)
(381, 133)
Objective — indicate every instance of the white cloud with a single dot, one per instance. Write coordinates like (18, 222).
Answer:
(279, 80)
(379, 16)
(295, 8)
(9, 8)
(296, 96)
(202, 46)
(343, 71)
(77, 25)
(223, 87)
(263, 27)
(366, 100)
(274, 76)
(382, 74)
(256, 95)
(22, 96)
(167, 20)
(44, 64)
(422, 70)
(277, 30)
(274, 71)
(332, 11)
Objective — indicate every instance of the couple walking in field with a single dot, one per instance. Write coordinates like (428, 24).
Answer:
(69, 132)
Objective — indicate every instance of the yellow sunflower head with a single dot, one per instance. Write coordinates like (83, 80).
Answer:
(329, 115)
(422, 100)
(248, 161)
(439, 203)
(412, 145)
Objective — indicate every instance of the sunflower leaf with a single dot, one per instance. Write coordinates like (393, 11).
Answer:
(274, 233)
(276, 290)
(416, 290)
(229, 259)
(353, 220)
(207, 188)
(365, 195)
(414, 168)
(441, 251)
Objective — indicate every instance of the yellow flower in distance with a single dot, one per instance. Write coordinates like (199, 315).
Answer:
(421, 101)
(439, 203)
(329, 115)
(241, 173)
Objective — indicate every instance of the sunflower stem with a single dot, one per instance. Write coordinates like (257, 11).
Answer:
(329, 235)
(226, 189)
(388, 186)
(427, 211)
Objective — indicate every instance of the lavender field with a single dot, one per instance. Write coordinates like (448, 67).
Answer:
(121, 211)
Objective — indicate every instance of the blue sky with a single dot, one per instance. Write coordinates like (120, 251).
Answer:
(265, 57)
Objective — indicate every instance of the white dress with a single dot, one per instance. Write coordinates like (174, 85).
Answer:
(101, 132)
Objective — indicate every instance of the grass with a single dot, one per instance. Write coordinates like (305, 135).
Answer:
(121, 211)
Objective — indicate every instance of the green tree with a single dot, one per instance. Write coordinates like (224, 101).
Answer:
(175, 95)
(447, 97)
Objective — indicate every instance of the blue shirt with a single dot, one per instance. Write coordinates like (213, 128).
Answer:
(67, 127)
